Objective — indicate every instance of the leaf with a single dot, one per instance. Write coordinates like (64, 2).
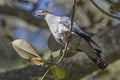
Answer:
(71, 53)
(36, 61)
(53, 45)
(115, 7)
(26, 50)
(57, 72)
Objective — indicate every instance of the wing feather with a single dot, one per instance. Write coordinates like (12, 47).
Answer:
(76, 28)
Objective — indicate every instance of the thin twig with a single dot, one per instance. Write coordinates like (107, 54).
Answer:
(104, 11)
(45, 74)
(69, 34)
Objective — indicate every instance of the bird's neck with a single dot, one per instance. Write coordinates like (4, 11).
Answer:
(52, 21)
(50, 17)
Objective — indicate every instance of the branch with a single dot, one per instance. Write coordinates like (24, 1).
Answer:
(25, 15)
(79, 65)
(104, 11)
(69, 34)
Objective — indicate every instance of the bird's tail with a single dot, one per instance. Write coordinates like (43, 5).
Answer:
(100, 61)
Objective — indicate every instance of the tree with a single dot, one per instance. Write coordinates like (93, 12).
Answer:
(93, 26)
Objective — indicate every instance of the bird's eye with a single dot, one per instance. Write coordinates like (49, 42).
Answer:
(42, 12)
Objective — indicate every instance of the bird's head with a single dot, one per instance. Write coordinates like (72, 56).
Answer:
(41, 12)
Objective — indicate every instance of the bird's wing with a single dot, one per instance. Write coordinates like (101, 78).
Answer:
(53, 45)
(67, 22)
(76, 28)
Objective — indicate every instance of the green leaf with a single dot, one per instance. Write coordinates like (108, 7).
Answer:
(57, 72)
(71, 53)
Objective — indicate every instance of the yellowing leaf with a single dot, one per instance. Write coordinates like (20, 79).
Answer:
(26, 50)
(36, 61)
(57, 72)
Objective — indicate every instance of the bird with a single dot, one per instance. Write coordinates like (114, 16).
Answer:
(79, 40)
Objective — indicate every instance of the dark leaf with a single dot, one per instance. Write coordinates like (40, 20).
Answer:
(53, 45)
(115, 7)
(70, 53)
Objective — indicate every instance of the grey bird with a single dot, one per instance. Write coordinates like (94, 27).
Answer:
(80, 40)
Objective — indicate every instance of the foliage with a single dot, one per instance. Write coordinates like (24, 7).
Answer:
(57, 72)
(27, 51)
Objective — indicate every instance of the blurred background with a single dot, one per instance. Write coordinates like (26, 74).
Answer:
(17, 20)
